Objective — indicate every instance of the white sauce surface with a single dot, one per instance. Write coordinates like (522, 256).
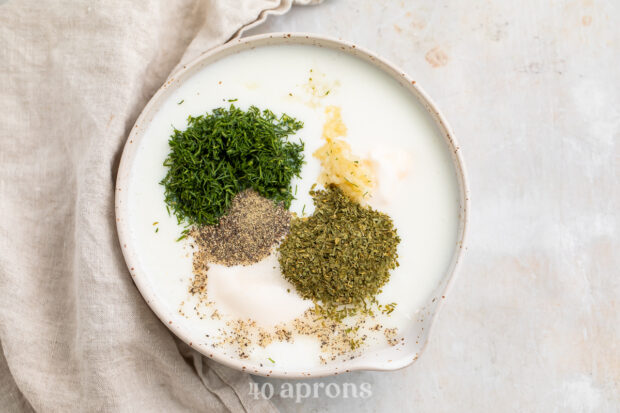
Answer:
(417, 184)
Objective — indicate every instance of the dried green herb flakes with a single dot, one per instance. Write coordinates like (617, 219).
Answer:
(225, 152)
(341, 256)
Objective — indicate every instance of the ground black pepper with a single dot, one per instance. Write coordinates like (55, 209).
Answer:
(246, 235)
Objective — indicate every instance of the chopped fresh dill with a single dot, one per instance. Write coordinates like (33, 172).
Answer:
(271, 360)
(232, 100)
(225, 152)
(183, 100)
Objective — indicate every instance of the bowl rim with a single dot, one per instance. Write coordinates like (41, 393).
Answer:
(239, 45)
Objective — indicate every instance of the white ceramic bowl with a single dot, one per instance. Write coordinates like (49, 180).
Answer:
(388, 359)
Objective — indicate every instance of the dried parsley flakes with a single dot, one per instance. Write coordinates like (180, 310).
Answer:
(341, 256)
(225, 152)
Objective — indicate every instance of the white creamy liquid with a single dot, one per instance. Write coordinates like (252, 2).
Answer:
(417, 185)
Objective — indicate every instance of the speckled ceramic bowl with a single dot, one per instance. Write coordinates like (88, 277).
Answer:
(417, 333)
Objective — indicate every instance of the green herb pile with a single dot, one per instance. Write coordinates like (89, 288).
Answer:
(341, 256)
(225, 152)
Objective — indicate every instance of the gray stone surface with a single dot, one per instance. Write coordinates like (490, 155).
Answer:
(532, 91)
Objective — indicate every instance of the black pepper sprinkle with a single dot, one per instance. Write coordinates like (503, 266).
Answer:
(246, 235)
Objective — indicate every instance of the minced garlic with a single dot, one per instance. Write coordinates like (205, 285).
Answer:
(334, 127)
(339, 166)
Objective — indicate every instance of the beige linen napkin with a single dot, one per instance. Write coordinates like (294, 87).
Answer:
(75, 334)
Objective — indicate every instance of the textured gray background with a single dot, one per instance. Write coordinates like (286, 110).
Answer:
(532, 91)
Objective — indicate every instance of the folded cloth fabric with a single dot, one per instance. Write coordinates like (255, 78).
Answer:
(75, 334)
